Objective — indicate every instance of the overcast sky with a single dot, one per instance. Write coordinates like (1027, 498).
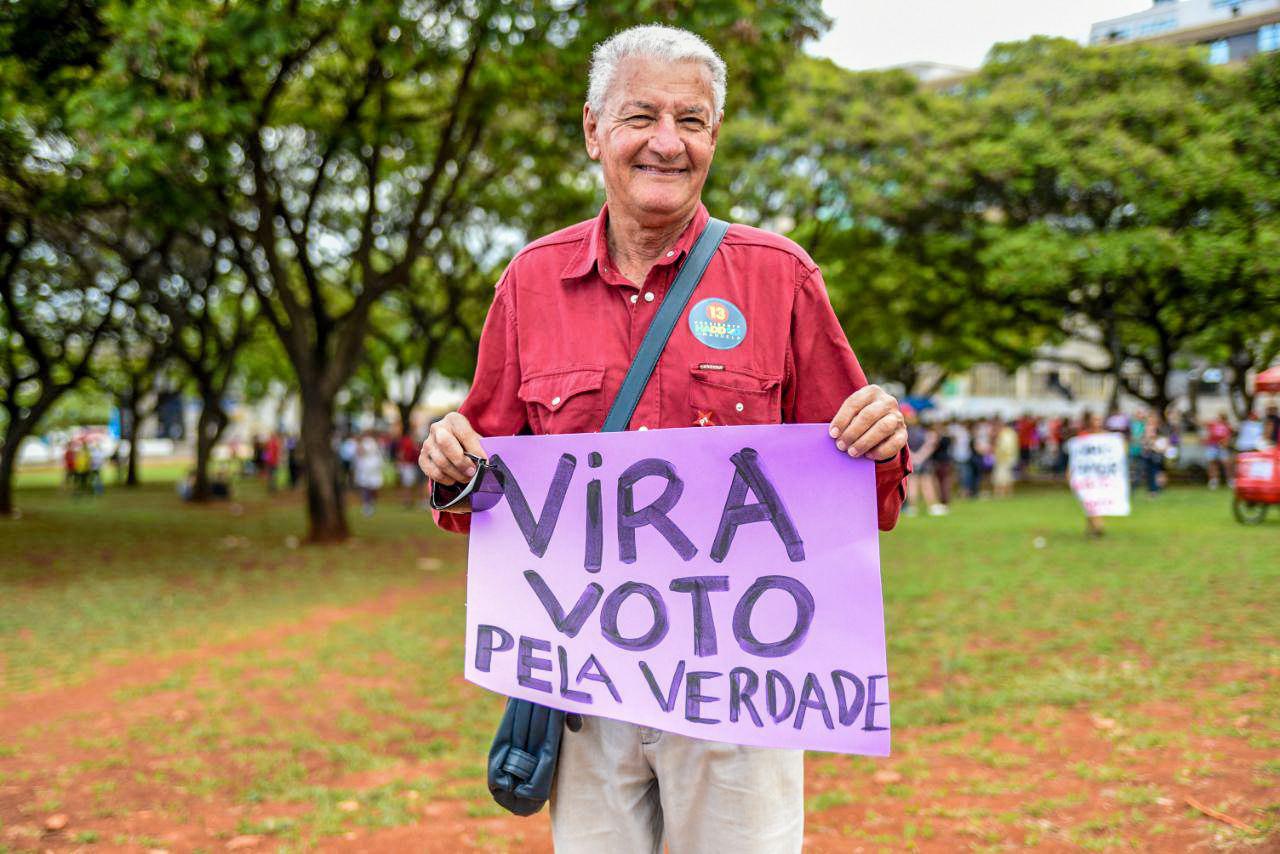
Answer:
(876, 33)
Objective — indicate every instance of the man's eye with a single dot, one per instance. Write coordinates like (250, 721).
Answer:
(695, 123)
(637, 118)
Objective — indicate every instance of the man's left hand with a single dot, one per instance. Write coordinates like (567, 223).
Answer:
(870, 424)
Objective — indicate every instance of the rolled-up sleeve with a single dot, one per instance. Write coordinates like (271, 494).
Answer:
(823, 371)
(493, 406)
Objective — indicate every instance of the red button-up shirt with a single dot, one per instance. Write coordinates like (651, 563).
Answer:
(759, 344)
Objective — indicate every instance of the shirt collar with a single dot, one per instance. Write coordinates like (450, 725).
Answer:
(593, 253)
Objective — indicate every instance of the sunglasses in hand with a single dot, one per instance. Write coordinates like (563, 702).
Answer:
(483, 491)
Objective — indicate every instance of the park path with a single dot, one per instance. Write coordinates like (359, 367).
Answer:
(95, 695)
(953, 787)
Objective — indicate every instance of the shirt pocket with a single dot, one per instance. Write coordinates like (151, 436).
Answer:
(727, 396)
(565, 400)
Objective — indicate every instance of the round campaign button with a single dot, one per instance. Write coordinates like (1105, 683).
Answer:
(717, 323)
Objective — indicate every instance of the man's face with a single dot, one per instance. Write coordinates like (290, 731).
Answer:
(655, 138)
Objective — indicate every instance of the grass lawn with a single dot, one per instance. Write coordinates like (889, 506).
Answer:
(191, 678)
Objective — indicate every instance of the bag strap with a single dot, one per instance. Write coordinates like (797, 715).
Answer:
(664, 322)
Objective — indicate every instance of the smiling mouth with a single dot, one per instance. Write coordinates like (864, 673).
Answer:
(663, 171)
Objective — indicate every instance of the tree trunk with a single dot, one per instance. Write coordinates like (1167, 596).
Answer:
(406, 416)
(8, 463)
(208, 430)
(1163, 402)
(1246, 401)
(1113, 401)
(131, 474)
(1117, 368)
(16, 429)
(326, 515)
(1238, 391)
(1162, 405)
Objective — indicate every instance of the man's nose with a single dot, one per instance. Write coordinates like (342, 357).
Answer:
(665, 141)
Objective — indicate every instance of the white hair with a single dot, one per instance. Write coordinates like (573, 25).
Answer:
(654, 41)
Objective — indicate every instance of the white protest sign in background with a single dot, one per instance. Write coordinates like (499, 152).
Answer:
(1099, 473)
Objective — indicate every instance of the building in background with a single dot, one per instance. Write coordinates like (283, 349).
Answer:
(1055, 384)
(1233, 30)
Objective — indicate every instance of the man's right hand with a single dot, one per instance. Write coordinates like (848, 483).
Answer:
(444, 453)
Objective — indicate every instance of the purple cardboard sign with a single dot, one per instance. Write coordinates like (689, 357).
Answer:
(719, 583)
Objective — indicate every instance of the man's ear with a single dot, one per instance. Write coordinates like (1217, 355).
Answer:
(715, 129)
(589, 125)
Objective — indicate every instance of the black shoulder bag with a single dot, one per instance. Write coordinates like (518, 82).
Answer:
(522, 760)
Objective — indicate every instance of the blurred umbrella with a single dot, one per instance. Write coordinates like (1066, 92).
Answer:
(1268, 380)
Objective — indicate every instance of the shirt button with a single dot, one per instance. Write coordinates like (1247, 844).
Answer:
(555, 401)
(642, 427)
(672, 252)
(648, 297)
(737, 406)
(634, 297)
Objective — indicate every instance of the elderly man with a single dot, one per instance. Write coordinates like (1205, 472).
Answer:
(567, 318)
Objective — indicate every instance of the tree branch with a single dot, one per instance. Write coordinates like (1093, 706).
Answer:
(32, 342)
(444, 153)
(335, 140)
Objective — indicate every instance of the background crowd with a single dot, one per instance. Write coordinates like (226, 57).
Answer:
(973, 458)
(953, 458)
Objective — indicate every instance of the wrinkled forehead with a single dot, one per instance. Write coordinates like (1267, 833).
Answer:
(649, 83)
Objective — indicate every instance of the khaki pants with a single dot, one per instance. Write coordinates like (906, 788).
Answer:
(626, 789)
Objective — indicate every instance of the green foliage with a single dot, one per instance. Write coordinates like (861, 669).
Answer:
(48, 315)
(58, 298)
(1249, 339)
(262, 365)
(57, 302)
(848, 166)
(1126, 215)
(84, 405)
(337, 152)
(1124, 196)
(342, 144)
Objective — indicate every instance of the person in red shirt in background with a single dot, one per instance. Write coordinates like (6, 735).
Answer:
(759, 344)
(271, 459)
(1217, 450)
(1055, 446)
(1028, 441)
(69, 465)
(407, 466)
